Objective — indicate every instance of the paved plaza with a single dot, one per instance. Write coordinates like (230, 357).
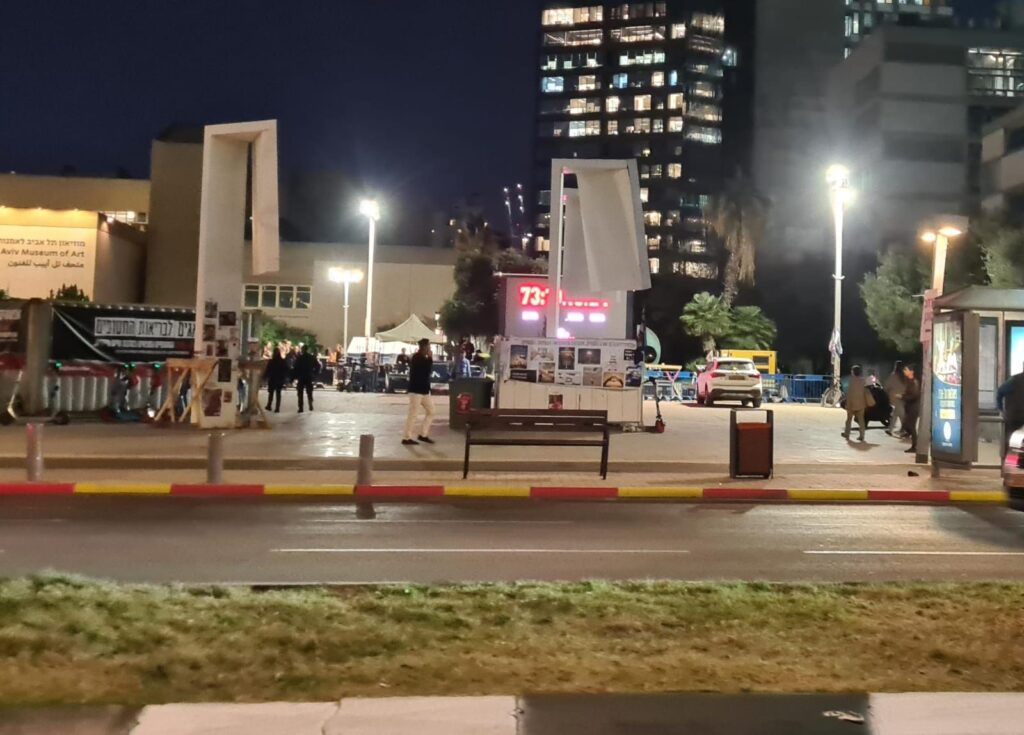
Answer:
(697, 439)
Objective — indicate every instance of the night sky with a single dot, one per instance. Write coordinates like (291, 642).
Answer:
(422, 101)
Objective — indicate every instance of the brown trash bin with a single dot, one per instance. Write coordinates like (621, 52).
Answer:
(751, 444)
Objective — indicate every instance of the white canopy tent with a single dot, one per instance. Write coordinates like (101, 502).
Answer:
(412, 330)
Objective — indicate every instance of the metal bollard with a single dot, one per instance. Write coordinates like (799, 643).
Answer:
(364, 475)
(34, 451)
(215, 458)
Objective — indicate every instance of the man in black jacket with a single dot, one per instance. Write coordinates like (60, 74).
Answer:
(306, 369)
(421, 366)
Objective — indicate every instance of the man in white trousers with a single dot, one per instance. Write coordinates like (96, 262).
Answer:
(420, 368)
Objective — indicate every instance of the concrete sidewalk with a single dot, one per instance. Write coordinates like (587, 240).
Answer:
(708, 714)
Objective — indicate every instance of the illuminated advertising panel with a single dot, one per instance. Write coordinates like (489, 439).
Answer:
(528, 304)
(954, 387)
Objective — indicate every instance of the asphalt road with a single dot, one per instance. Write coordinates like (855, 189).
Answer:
(266, 542)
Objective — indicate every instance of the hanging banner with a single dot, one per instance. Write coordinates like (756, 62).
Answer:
(121, 334)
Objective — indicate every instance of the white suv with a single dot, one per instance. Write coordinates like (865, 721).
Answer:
(729, 378)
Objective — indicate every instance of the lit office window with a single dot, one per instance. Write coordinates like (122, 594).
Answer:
(673, 78)
(995, 71)
(641, 58)
(730, 57)
(637, 125)
(652, 218)
(676, 101)
(702, 134)
(675, 125)
(655, 170)
(572, 16)
(638, 34)
(638, 11)
(582, 128)
(708, 23)
(620, 81)
(645, 171)
(642, 103)
(613, 127)
(644, 194)
(654, 242)
(552, 85)
(657, 79)
(542, 244)
(588, 83)
(674, 171)
(574, 38)
(678, 30)
(705, 112)
(671, 217)
(702, 90)
(584, 105)
(706, 45)
(611, 104)
(658, 125)
(655, 264)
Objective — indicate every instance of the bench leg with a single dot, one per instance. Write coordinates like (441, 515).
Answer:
(465, 462)
(604, 457)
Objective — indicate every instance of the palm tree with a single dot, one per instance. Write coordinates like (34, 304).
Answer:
(739, 216)
(708, 318)
(750, 329)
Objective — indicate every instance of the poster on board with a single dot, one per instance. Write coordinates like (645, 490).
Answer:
(954, 390)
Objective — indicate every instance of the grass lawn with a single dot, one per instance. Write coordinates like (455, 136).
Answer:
(68, 641)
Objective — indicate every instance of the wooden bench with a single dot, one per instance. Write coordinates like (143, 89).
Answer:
(506, 427)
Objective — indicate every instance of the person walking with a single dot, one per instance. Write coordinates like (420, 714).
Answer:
(894, 389)
(1010, 400)
(858, 400)
(421, 366)
(277, 375)
(306, 369)
(911, 406)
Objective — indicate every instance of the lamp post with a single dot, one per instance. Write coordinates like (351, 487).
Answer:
(838, 178)
(371, 210)
(948, 228)
(345, 276)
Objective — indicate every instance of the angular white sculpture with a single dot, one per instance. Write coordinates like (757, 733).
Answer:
(221, 245)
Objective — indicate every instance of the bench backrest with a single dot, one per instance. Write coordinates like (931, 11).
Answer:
(521, 419)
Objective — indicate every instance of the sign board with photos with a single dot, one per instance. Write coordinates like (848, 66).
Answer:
(221, 339)
(575, 374)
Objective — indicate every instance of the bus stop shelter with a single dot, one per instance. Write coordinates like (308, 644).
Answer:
(998, 315)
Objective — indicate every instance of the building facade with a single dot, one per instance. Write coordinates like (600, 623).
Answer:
(863, 16)
(650, 81)
(1002, 162)
(909, 107)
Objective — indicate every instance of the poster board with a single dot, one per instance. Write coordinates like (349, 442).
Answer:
(543, 373)
(954, 395)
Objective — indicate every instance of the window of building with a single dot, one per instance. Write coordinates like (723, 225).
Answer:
(695, 245)
(673, 78)
(678, 30)
(705, 45)
(543, 198)
(652, 218)
(588, 83)
(655, 264)
(552, 85)
(730, 57)
(708, 23)
(542, 244)
(638, 34)
(674, 171)
(584, 105)
(702, 134)
(676, 101)
(613, 127)
(696, 269)
(642, 103)
(654, 242)
(995, 71)
(658, 125)
(705, 112)
(645, 171)
(644, 194)
(641, 58)
(574, 38)
(703, 69)
(285, 297)
(288, 297)
(553, 130)
(656, 171)
(657, 79)
(637, 125)
(581, 128)
(303, 297)
(702, 90)
(611, 104)
(671, 217)
(251, 297)
(136, 219)
(572, 16)
(620, 81)
(637, 11)
(268, 297)
(675, 125)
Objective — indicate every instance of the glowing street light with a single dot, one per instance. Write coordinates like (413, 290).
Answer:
(841, 194)
(345, 276)
(371, 210)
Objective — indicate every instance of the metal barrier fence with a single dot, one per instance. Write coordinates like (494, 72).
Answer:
(777, 388)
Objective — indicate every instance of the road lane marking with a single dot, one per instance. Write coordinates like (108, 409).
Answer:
(377, 521)
(477, 551)
(915, 553)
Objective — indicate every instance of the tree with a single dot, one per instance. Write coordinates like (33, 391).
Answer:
(273, 331)
(750, 329)
(708, 318)
(739, 216)
(1001, 244)
(69, 292)
(892, 298)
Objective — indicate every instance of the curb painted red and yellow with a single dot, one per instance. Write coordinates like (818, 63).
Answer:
(406, 493)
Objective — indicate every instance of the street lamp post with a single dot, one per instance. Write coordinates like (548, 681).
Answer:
(371, 210)
(838, 178)
(940, 236)
(346, 277)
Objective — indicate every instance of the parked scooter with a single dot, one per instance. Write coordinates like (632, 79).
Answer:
(659, 422)
(14, 413)
(118, 408)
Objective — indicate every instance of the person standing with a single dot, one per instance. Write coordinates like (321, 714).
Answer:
(402, 361)
(421, 367)
(277, 375)
(894, 389)
(857, 402)
(911, 406)
(306, 369)
(1010, 400)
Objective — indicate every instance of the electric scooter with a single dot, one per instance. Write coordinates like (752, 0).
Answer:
(659, 422)
(12, 413)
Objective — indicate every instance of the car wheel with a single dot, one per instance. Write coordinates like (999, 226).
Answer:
(700, 399)
(709, 401)
(757, 403)
(744, 403)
